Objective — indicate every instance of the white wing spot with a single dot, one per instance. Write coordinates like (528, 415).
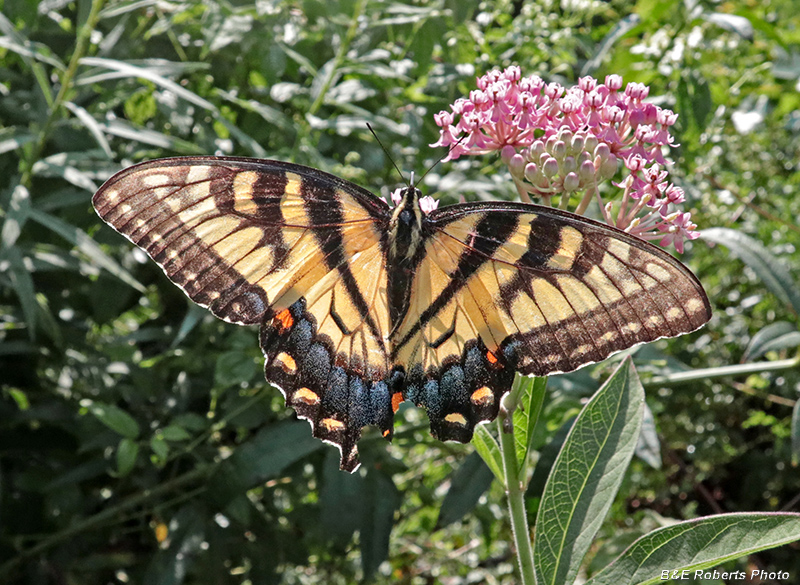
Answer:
(156, 180)
(674, 312)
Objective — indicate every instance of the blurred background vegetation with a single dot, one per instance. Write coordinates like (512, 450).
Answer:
(139, 442)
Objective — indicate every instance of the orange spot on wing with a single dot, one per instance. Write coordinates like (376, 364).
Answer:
(332, 425)
(386, 433)
(287, 362)
(285, 319)
(456, 418)
(491, 357)
(306, 395)
(483, 396)
(397, 398)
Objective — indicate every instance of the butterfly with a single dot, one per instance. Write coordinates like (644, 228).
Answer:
(362, 305)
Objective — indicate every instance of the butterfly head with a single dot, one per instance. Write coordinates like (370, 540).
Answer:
(405, 227)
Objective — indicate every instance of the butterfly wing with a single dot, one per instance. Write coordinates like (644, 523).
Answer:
(505, 286)
(299, 251)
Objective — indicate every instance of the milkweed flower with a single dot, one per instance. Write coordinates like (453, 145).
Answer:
(563, 143)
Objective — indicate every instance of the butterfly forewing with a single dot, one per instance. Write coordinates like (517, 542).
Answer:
(551, 291)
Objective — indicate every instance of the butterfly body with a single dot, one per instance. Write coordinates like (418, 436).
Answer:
(362, 306)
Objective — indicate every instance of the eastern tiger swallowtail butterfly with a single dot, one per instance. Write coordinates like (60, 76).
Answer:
(362, 305)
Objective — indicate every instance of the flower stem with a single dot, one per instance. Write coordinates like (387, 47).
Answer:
(516, 498)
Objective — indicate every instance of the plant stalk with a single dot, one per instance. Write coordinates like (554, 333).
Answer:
(515, 494)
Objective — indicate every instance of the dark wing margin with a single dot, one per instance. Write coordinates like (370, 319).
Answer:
(536, 290)
(297, 250)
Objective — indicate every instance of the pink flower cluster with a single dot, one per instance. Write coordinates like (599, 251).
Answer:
(564, 143)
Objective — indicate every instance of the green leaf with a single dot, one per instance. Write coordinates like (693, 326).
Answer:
(698, 544)
(78, 238)
(116, 419)
(586, 476)
(235, 367)
(529, 405)
(467, 484)
(15, 216)
(127, 452)
(175, 433)
(380, 503)
(340, 491)
(22, 283)
(773, 337)
(486, 446)
(774, 273)
(267, 454)
(648, 448)
(546, 460)
(160, 450)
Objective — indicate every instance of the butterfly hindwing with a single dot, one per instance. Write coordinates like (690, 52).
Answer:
(292, 248)
(539, 291)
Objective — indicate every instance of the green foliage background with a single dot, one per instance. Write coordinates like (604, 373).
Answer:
(139, 442)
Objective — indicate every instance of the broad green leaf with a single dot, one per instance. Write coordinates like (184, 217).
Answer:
(340, 491)
(529, 405)
(115, 419)
(175, 433)
(698, 544)
(235, 367)
(267, 454)
(486, 446)
(467, 484)
(773, 337)
(380, 503)
(774, 273)
(160, 450)
(586, 476)
(547, 457)
(127, 452)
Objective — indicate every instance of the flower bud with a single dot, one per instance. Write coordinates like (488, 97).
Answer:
(602, 151)
(559, 149)
(516, 164)
(536, 150)
(531, 173)
(571, 182)
(586, 172)
(577, 143)
(569, 165)
(550, 167)
(507, 152)
(590, 143)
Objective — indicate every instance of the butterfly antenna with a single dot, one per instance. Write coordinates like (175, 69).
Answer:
(402, 178)
(441, 158)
